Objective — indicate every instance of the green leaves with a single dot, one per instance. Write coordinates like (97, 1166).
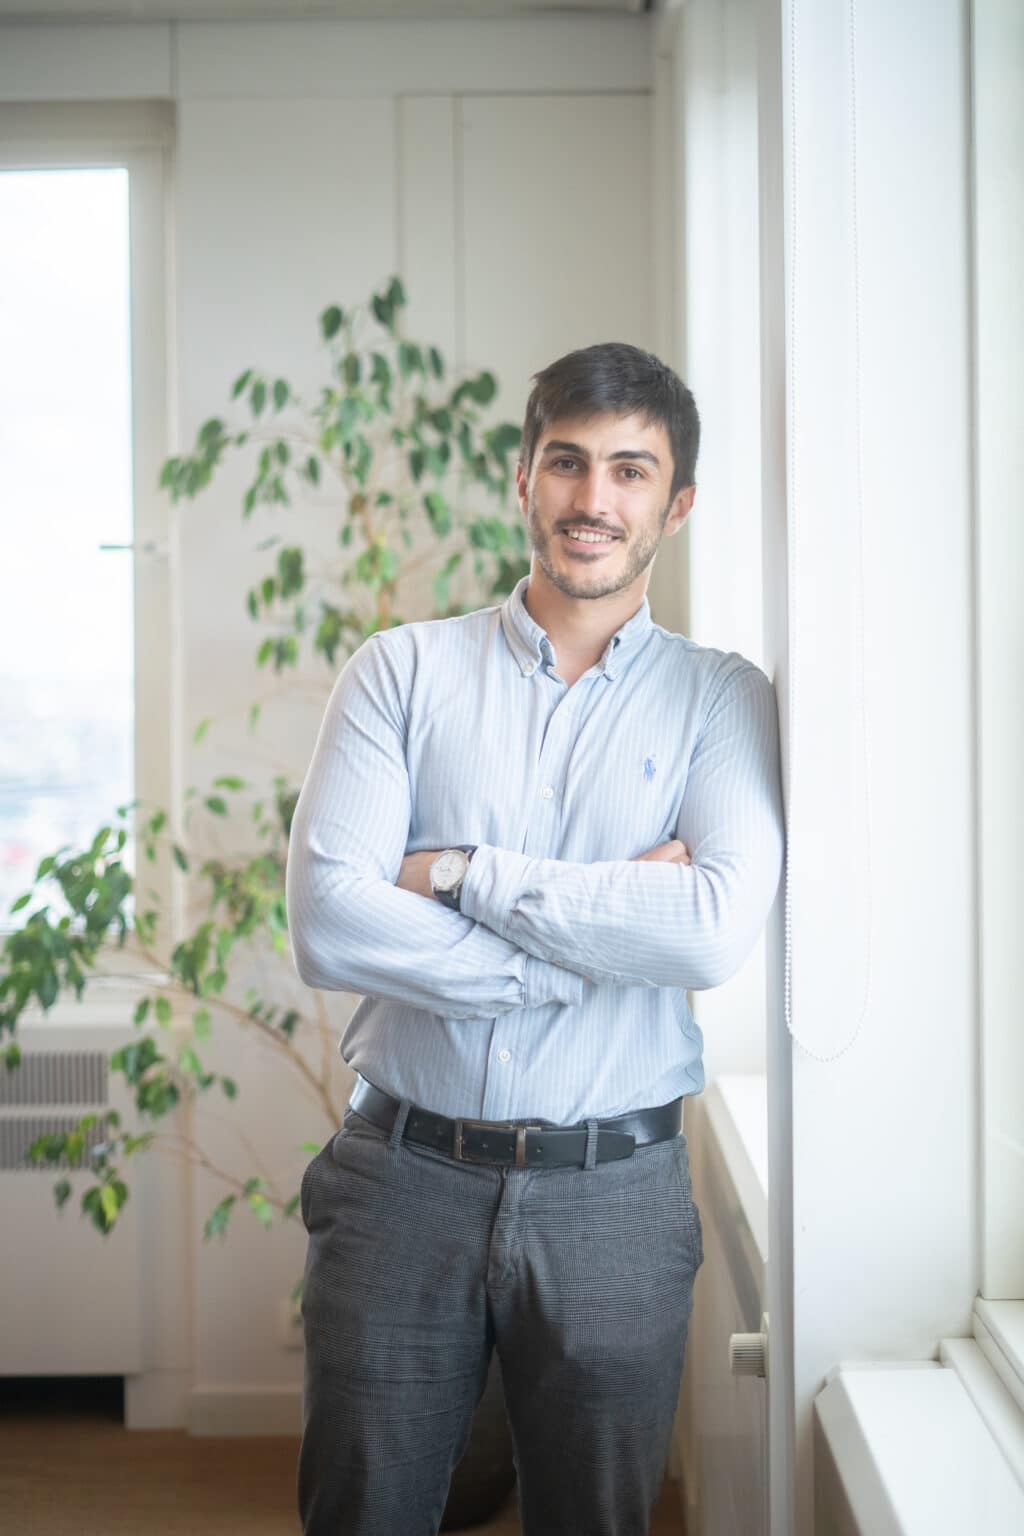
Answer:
(481, 389)
(376, 566)
(488, 533)
(186, 477)
(385, 306)
(361, 416)
(441, 580)
(381, 378)
(291, 576)
(103, 1202)
(331, 321)
(438, 512)
(216, 1224)
(393, 453)
(410, 360)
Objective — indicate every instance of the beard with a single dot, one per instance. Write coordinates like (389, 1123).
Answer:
(640, 551)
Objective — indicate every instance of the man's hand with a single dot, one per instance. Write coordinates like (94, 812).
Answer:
(674, 852)
(414, 874)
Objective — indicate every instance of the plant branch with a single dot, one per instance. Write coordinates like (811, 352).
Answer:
(245, 1017)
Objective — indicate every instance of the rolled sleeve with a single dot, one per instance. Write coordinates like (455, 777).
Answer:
(492, 886)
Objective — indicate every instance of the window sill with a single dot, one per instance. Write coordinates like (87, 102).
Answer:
(999, 1333)
(919, 1447)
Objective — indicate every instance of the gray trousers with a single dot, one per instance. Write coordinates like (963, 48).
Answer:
(417, 1266)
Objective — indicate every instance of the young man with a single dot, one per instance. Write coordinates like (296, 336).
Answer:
(524, 834)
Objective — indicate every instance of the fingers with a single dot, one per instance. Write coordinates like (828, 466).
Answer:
(674, 852)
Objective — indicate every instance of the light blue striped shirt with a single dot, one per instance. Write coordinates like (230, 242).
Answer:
(559, 991)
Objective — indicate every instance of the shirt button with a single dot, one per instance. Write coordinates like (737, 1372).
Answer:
(546, 792)
(504, 1055)
(530, 666)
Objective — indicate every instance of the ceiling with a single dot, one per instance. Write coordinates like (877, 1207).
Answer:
(282, 10)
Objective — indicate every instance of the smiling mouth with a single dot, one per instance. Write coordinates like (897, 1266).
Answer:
(589, 541)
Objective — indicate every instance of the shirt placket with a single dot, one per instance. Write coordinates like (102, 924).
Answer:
(510, 1036)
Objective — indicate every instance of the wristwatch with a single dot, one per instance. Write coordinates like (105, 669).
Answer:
(448, 872)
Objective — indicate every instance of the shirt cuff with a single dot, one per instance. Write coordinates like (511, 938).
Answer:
(545, 983)
(491, 886)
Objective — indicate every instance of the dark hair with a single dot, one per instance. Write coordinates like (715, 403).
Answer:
(613, 376)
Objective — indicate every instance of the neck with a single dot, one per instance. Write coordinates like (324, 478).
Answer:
(580, 628)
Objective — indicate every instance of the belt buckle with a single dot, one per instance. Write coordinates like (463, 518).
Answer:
(494, 1125)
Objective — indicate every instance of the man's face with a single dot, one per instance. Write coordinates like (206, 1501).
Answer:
(607, 475)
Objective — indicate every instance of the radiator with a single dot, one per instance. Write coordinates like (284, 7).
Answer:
(69, 1297)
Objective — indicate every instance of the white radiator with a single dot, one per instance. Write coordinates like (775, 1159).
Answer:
(69, 1297)
(720, 1450)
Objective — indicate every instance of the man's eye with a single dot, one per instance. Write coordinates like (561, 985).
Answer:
(560, 462)
(628, 469)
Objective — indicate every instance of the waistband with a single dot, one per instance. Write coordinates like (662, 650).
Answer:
(519, 1143)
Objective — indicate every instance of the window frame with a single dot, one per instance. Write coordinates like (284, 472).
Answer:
(139, 137)
(997, 56)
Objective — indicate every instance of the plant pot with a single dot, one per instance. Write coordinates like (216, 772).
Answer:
(482, 1479)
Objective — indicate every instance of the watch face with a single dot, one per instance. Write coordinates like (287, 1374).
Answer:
(448, 869)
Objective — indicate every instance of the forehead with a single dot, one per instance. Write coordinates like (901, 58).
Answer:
(602, 435)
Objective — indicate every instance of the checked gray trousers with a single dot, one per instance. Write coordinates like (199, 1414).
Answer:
(417, 1266)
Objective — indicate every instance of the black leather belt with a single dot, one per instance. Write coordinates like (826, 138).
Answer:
(519, 1143)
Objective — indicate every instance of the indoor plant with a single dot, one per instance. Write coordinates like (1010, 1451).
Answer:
(419, 486)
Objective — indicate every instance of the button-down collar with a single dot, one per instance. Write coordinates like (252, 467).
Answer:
(531, 647)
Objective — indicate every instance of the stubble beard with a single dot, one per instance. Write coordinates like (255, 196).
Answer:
(640, 552)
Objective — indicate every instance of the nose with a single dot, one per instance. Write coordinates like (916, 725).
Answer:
(591, 489)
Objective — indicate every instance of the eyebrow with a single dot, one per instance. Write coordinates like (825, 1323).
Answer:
(556, 446)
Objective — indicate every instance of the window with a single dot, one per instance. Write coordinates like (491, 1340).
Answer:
(997, 58)
(84, 629)
(66, 623)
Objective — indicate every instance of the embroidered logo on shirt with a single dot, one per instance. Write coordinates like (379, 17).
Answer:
(649, 769)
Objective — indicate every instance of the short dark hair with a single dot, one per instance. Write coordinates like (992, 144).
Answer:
(613, 376)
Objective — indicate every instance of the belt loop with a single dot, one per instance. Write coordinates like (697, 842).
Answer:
(591, 1158)
(398, 1129)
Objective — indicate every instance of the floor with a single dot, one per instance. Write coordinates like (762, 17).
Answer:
(73, 1470)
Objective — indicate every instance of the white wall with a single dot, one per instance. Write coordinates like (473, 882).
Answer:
(885, 1175)
(860, 209)
(504, 169)
(712, 82)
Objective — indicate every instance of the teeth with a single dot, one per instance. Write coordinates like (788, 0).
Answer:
(590, 538)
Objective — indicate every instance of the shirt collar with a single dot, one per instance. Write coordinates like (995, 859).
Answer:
(531, 647)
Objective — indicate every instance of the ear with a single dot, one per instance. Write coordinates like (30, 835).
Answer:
(522, 487)
(680, 510)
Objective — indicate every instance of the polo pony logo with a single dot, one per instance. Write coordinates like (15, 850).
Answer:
(649, 769)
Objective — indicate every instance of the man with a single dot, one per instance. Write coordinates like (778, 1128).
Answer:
(524, 834)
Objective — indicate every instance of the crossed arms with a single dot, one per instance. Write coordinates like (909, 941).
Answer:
(531, 930)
